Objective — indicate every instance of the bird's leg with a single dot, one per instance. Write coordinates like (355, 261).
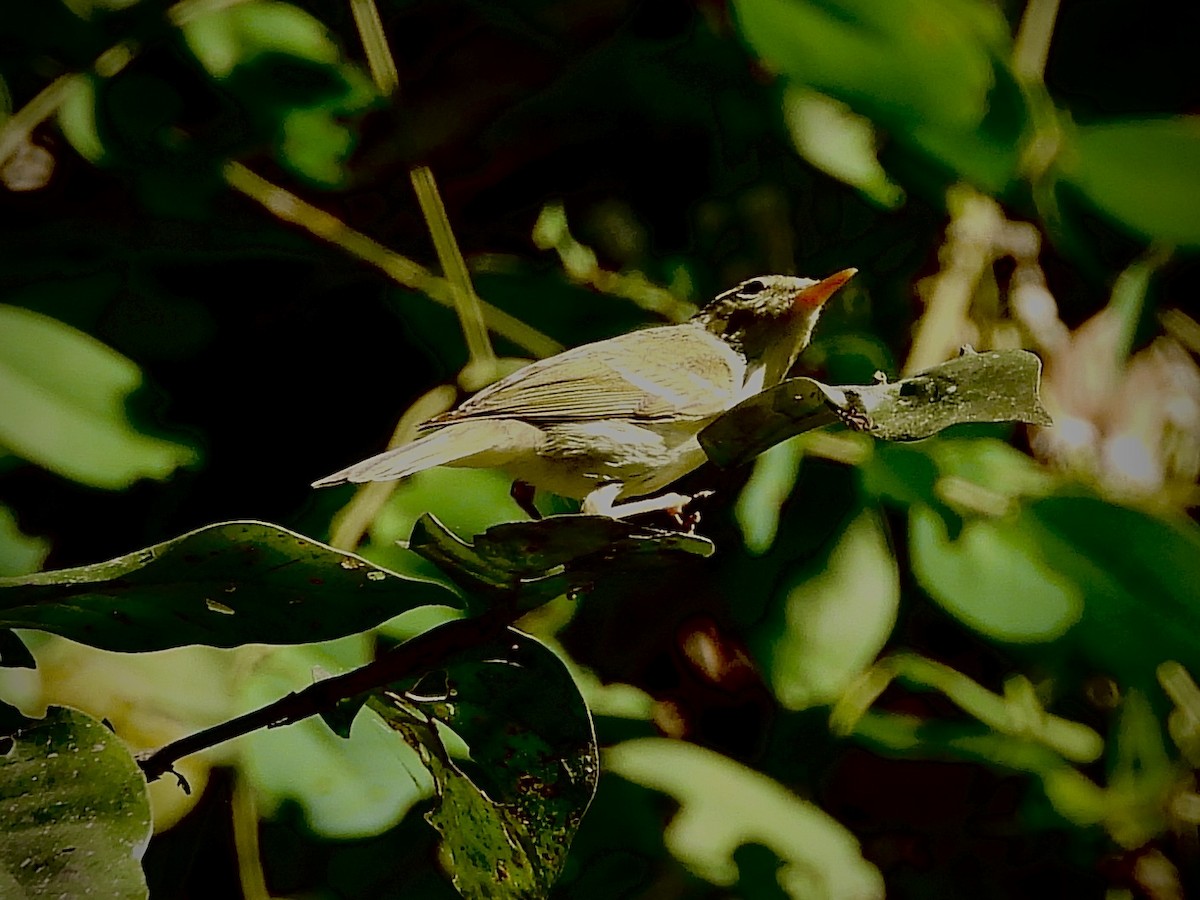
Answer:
(522, 493)
(602, 502)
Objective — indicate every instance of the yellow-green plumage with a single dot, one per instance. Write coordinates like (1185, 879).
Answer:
(619, 418)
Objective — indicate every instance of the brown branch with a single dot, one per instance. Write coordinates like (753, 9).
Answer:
(418, 655)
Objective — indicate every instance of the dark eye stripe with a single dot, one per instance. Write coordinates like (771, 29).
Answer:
(750, 288)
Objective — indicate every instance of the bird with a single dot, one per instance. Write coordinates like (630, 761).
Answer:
(614, 422)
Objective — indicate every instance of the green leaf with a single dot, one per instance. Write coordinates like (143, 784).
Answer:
(724, 805)
(77, 119)
(64, 405)
(347, 788)
(933, 71)
(839, 143)
(1142, 173)
(225, 38)
(1140, 575)
(997, 386)
(256, 50)
(834, 620)
(506, 817)
(75, 811)
(537, 561)
(223, 585)
(761, 501)
(994, 576)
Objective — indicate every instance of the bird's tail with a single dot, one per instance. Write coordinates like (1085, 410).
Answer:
(490, 441)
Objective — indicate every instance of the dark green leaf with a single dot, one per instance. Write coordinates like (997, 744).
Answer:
(933, 71)
(997, 386)
(544, 559)
(286, 68)
(75, 811)
(1143, 174)
(508, 816)
(224, 585)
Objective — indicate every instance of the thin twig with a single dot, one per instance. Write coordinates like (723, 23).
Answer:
(1032, 44)
(290, 208)
(421, 654)
(482, 365)
(379, 55)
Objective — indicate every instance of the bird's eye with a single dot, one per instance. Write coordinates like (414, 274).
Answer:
(751, 288)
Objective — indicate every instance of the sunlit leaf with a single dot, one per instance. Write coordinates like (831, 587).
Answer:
(839, 143)
(64, 405)
(226, 37)
(994, 577)
(761, 500)
(77, 119)
(724, 805)
(1142, 173)
(507, 818)
(224, 585)
(76, 818)
(835, 620)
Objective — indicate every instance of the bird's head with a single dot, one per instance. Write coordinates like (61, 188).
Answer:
(770, 319)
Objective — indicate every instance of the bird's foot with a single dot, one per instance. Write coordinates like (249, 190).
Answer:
(523, 493)
(602, 502)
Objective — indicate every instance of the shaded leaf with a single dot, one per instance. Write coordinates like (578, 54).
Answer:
(64, 405)
(725, 805)
(997, 386)
(507, 817)
(1141, 172)
(544, 559)
(75, 812)
(257, 50)
(223, 585)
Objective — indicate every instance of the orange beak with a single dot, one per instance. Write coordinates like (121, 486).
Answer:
(815, 295)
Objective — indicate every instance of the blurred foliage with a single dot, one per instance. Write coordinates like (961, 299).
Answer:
(960, 666)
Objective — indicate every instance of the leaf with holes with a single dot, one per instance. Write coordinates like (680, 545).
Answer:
(75, 811)
(224, 585)
(507, 811)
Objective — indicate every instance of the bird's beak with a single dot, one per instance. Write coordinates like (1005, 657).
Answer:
(814, 296)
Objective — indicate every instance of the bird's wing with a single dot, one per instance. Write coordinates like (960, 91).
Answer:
(676, 371)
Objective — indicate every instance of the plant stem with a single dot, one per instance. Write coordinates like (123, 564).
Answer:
(421, 654)
(1032, 43)
(482, 365)
(290, 208)
(379, 56)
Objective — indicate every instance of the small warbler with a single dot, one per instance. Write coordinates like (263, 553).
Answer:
(618, 419)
